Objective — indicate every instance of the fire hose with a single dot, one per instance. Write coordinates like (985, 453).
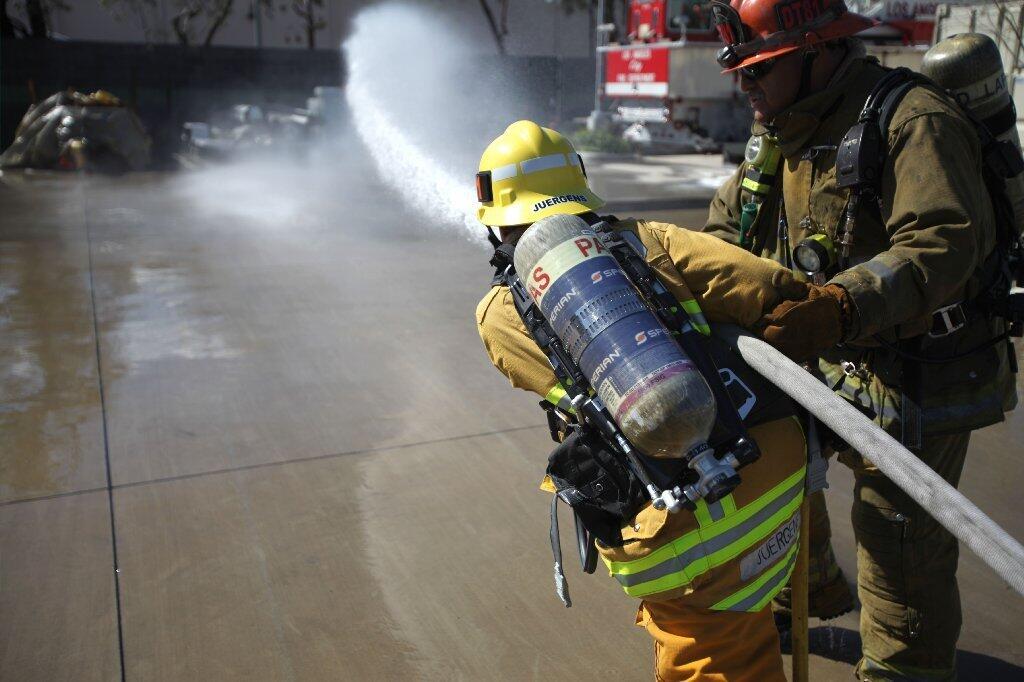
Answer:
(946, 504)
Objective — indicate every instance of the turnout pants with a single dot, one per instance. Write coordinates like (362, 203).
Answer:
(692, 643)
(906, 572)
(725, 562)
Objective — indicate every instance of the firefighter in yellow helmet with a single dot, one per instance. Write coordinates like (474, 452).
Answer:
(705, 577)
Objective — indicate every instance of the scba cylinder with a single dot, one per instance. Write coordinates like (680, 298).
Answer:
(968, 65)
(655, 393)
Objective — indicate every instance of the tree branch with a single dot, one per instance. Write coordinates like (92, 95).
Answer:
(6, 24)
(306, 10)
(219, 18)
(1004, 16)
(498, 37)
(36, 19)
(182, 19)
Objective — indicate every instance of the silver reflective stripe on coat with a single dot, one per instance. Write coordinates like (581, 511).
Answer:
(715, 511)
(678, 563)
(770, 587)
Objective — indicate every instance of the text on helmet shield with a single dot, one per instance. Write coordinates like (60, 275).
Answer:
(561, 199)
(798, 12)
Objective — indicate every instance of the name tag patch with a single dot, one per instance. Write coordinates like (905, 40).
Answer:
(771, 550)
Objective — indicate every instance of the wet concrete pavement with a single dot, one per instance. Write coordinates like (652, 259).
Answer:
(632, 183)
(261, 397)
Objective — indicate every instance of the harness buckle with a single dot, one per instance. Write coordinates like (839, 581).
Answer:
(947, 320)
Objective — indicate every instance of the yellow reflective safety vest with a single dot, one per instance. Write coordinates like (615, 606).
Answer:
(735, 554)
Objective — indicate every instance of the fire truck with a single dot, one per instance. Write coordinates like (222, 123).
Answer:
(662, 89)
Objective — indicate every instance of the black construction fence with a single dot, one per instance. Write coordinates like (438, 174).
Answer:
(169, 84)
(165, 84)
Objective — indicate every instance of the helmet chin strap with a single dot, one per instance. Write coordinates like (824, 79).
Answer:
(806, 66)
(493, 238)
(809, 55)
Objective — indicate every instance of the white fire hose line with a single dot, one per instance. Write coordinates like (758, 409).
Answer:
(946, 504)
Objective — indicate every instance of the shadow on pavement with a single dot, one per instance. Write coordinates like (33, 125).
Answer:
(843, 645)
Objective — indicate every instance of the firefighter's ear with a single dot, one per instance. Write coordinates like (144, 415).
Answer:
(511, 235)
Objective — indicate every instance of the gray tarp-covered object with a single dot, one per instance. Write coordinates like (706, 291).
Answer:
(71, 130)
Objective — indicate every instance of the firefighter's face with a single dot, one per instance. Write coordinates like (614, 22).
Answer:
(774, 91)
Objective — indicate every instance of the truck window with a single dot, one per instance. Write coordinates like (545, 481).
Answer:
(694, 15)
(674, 14)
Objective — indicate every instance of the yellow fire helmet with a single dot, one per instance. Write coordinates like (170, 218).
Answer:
(529, 173)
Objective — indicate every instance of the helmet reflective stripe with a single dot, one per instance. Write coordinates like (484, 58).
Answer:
(543, 163)
(504, 172)
(535, 165)
(530, 173)
(728, 24)
(713, 544)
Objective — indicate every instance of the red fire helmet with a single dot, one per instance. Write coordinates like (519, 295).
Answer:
(756, 30)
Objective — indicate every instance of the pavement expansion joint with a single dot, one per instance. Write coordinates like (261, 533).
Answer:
(106, 441)
(332, 455)
(276, 463)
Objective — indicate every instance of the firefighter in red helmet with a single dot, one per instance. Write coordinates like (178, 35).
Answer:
(902, 236)
(756, 31)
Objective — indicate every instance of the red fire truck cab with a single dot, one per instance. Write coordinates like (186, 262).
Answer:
(662, 87)
(657, 20)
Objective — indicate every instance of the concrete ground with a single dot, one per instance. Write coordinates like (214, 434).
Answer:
(632, 183)
(249, 432)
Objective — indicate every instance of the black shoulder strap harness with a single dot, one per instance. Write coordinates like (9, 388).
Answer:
(859, 163)
(744, 397)
(595, 469)
(754, 399)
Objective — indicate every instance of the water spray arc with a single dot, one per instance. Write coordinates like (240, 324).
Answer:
(416, 177)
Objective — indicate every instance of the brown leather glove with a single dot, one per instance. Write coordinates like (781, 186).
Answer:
(803, 329)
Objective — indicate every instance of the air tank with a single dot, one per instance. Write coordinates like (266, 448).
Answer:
(654, 392)
(968, 65)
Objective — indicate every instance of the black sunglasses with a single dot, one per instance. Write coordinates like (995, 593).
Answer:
(758, 70)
